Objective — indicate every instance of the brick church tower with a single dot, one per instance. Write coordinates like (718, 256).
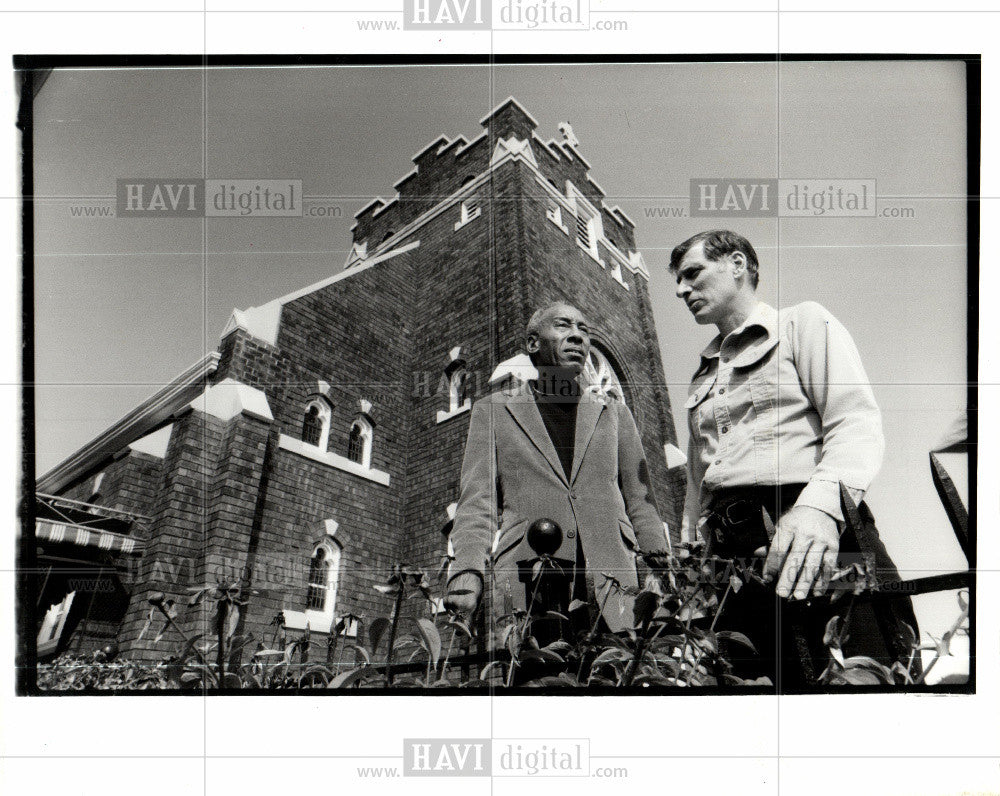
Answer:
(322, 442)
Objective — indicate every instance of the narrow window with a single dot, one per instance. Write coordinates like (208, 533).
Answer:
(458, 389)
(359, 442)
(583, 231)
(316, 423)
(312, 426)
(319, 577)
(324, 575)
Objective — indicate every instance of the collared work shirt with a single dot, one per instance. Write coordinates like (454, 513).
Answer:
(783, 399)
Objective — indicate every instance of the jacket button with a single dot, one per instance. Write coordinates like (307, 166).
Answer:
(725, 429)
(722, 390)
(570, 534)
(718, 461)
(572, 495)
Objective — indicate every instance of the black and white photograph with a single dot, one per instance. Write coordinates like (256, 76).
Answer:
(443, 438)
(439, 390)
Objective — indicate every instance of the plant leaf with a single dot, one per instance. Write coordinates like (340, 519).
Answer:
(404, 641)
(376, 631)
(576, 605)
(831, 636)
(487, 667)
(459, 624)
(644, 607)
(348, 678)
(736, 638)
(653, 679)
(431, 637)
(232, 620)
(542, 655)
(360, 651)
(861, 676)
(614, 654)
(870, 664)
(189, 646)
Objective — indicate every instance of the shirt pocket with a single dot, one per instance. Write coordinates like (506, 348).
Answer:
(701, 389)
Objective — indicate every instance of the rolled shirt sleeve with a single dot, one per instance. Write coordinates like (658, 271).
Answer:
(835, 381)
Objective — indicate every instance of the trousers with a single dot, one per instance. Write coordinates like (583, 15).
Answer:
(787, 634)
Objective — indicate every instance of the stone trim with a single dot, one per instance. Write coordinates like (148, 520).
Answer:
(331, 459)
(443, 415)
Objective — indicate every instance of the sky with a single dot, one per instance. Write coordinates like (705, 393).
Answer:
(124, 305)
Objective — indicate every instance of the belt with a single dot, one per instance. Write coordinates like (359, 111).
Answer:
(735, 518)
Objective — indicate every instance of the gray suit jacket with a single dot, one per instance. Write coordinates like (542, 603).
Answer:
(512, 476)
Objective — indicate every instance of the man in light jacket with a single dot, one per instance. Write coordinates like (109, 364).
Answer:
(551, 449)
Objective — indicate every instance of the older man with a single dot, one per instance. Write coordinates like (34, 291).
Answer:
(553, 450)
(780, 413)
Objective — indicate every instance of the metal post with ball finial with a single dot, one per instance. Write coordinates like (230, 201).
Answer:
(547, 580)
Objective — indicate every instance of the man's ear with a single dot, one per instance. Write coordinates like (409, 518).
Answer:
(532, 343)
(739, 261)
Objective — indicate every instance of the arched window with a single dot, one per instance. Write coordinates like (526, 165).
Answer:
(458, 388)
(359, 442)
(312, 426)
(316, 423)
(601, 376)
(324, 574)
(319, 577)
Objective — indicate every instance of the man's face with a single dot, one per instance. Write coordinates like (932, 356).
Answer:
(708, 287)
(562, 339)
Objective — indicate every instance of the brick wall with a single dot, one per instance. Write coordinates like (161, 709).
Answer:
(130, 483)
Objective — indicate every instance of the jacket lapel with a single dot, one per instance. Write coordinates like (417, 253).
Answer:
(587, 415)
(525, 412)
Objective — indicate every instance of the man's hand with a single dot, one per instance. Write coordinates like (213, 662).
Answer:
(464, 591)
(804, 552)
(658, 562)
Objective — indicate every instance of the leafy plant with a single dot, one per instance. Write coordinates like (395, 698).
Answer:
(862, 670)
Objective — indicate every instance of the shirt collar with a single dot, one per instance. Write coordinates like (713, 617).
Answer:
(763, 316)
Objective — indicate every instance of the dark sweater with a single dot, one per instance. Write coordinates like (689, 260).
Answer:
(557, 395)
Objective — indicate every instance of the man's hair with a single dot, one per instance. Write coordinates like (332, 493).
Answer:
(539, 315)
(718, 244)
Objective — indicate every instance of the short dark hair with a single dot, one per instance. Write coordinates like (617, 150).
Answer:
(718, 243)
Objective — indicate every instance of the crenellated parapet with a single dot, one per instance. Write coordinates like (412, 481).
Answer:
(447, 168)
